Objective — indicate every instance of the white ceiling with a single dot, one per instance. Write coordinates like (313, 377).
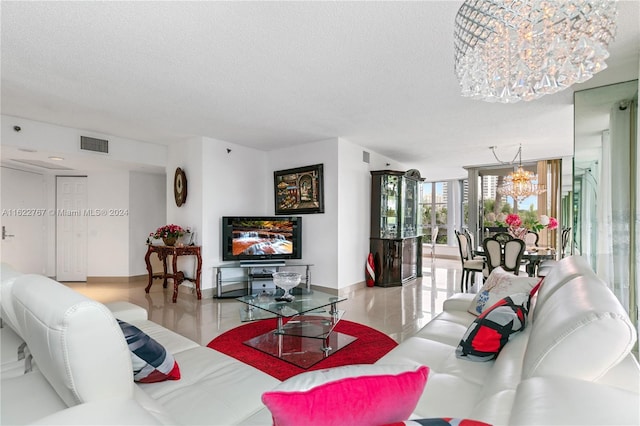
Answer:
(272, 74)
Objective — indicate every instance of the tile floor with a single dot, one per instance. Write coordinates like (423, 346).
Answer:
(397, 311)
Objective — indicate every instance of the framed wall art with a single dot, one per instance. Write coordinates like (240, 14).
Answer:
(299, 190)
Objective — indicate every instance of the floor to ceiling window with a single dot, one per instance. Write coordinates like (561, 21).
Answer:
(444, 205)
(488, 209)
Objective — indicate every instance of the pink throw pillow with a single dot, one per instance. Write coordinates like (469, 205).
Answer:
(349, 395)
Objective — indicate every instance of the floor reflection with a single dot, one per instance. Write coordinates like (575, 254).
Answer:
(396, 311)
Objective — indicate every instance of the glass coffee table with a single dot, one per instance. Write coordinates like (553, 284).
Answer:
(304, 333)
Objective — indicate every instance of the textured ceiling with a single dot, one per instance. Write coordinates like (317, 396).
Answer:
(272, 74)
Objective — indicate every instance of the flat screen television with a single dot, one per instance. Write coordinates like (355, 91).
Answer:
(261, 238)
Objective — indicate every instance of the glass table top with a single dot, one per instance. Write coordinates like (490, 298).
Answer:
(270, 305)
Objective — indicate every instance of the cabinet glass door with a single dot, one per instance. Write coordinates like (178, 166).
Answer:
(389, 206)
(409, 208)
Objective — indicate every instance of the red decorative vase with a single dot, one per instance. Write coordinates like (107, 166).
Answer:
(370, 271)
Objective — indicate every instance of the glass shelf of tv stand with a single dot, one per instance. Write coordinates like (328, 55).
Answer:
(239, 278)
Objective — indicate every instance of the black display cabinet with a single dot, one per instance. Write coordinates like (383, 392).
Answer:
(396, 226)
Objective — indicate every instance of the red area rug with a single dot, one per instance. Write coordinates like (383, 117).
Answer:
(370, 346)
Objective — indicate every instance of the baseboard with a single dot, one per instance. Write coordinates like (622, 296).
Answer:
(327, 290)
(340, 292)
(116, 280)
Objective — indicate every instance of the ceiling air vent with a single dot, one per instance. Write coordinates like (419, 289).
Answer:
(93, 144)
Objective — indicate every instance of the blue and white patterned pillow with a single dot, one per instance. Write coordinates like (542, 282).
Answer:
(151, 361)
(499, 285)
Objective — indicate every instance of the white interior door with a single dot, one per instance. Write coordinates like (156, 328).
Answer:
(23, 220)
(71, 228)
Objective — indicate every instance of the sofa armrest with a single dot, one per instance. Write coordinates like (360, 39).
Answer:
(127, 312)
(568, 401)
(458, 302)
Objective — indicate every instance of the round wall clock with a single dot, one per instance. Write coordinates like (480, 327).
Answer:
(180, 187)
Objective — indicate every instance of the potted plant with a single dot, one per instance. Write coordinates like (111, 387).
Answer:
(168, 233)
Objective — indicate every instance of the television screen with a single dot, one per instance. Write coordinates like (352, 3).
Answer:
(261, 238)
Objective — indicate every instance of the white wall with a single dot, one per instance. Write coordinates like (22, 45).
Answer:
(234, 183)
(354, 208)
(319, 230)
(108, 235)
(354, 213)
(219, 183)
(188, 156)
(147, 211)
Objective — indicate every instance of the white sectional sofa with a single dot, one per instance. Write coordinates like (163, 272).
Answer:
(82, 361)
(571, 365)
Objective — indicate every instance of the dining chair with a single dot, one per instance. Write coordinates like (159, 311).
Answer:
(472, 245)
(493, 253)
(546, 265)
(469, 266)
(502, 237)
(531, 239)
(506, 254)
(512, 255)
(434, 237)
(566, 233)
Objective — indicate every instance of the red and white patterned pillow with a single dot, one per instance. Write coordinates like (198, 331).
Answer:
(490, 332)
(151, 361)
(444, 421)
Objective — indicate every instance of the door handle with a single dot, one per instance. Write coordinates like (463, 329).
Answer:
(4, 233)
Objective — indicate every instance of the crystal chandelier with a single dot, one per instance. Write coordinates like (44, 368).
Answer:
(512, 50)
(520, 183)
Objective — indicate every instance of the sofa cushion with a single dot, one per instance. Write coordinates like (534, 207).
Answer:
(213, 388)
(567, 401)
(373, 394)
(488, 334)
(26, 398)
(499, 285)
(151, 361)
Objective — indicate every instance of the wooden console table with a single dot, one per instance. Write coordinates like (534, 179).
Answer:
(177, 276)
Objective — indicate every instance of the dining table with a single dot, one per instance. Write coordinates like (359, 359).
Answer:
(533, 255)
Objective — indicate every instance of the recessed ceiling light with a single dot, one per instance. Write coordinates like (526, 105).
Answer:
(27, 150)
(53, 157)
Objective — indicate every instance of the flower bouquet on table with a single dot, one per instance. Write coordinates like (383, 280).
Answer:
(169, 234)
(518, 228)
(514, 225)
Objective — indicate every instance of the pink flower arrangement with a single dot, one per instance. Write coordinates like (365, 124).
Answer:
(513, 220)
(168, 231)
